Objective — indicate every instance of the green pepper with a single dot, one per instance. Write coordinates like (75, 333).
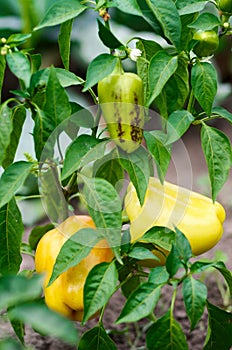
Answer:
(207, 43)
(121, 99)
(225, 6)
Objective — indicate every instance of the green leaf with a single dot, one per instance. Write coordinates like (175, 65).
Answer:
(110, 169)
(99, 68)
(183, 246)
(158, 275)
(46, 322)
(96, 339)
(19, 330)
(76, 248)
(194, 294)
(130, 280)
(218, 154)
(227, 274)
(99, 286)
(12, 179)
(53, 198)
(2, 72)
(162, 67)
(220, 326)
(204, 84)
(159, 151)
(37, 233)
(64, 42)
(178, 124)
(140, 303)
(166, 334)
(205, 21)
(138, 167)
(141, 253)
(75, 152)
(104, 206)
(223, 113)
(11, 228)
(61, 11)
(107, 37)
(57, 106)
(173, 262)
(6, 127)
(189, 7)
(10, 344)
(150, 17)
(18, 119)
(17, 39)
(160, 236)
(20, 66)
(169, 19)
(127, 6)
(19, 289)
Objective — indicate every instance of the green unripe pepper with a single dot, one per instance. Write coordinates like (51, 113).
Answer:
(121, 98)
(225, 6)
(208, 42)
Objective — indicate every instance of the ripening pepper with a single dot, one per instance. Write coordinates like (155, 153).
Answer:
(225, 6)
(171, 206)
(65, 294)
(121, 98)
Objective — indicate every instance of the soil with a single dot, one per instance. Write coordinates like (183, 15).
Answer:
(195, 338)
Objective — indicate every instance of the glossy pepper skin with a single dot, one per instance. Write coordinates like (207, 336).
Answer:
(65, 294)
(121, 99)
(207, 44)
(171, 206)
(225, 6)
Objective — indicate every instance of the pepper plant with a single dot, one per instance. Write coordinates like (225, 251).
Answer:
(83, 158)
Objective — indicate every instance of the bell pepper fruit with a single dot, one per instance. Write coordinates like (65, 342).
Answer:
(207, 43)
(169, 205)
(65, 294)
(121, 98)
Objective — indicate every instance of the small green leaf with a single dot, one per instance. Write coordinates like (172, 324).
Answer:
(185, 8)
(137, 165)
(19, 289)
(222, 112)
(11, 228)
(17, 39)
(178, 124)
(78, 149)
(150, 18)
(10, 344)
(220, 326)
(96, 339)
(76, 248)
(173, 262)
(104, 206)
(99, 68)
(160, 236)
(204, 84)
(227, 274)
(37, 233)
(159, 151)
(141, 253)
(12, 179)
(194, 294)
(183, 246)
(218, 154)
(6, 127)
(46, 322)
(99, 286)
(64, 42)
(166, 334)
(18, 119)
(61, 11)
(162, 67)
(20, 66)
(130, 280)
(158, 275)
(107, 37)
(205, 21)
(140, 303)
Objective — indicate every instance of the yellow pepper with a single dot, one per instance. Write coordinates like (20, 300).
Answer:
(172, 206)
(65, 294)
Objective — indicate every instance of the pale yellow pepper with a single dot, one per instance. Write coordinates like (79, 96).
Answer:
(65, 294)
(171, 206)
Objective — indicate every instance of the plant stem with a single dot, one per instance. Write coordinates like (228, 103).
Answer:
(191, 102)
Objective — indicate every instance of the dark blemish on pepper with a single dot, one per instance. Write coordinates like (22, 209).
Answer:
(136, 133)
